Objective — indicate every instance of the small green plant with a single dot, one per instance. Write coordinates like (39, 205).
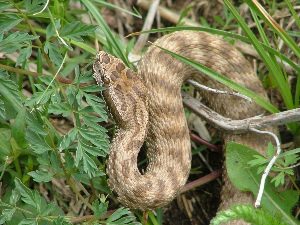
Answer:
(28, 207)
(32, 149)
(283, 167)
(249, 214)
(246, 178)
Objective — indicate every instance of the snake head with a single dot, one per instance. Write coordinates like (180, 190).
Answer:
(111, 72)
(123, 88)
(101, 67)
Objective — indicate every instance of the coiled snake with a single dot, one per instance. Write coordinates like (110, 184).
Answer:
(147, 107)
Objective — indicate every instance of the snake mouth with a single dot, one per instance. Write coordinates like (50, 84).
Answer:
(100, 73)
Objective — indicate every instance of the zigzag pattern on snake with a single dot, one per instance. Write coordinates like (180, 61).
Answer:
(147, 107)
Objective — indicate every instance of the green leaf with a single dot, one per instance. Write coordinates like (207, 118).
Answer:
(184, 13)
(92, 150)
(258, 161)
(61, 221)
(121, 216)
(35, 123)
(4, 4)
(245, 178)
(41, 176)
(50, 30)
(48, 209)
(10, 95)
(71, 94)
(54, 53)
(28, 222)
(25, 53)
(27, 195)
(92, 89)
(270, 150)
(8, 21)
(2, 110)
(68, 139)
(97, 104)
(279, 179)
(14, 198)
(34, 6)
(290, 152)
(18, 128)
(89, 166)
(99, 208)
(37, 142)
(92, 121)
(15, 41)
(7, 215)
(75, 30)
(62, 108)
(92, 136)
(248, 214)
(40, 98)
(5, 146)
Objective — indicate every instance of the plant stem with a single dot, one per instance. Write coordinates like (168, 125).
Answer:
(145, 217)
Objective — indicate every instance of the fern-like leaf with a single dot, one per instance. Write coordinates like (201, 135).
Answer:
(249, 214)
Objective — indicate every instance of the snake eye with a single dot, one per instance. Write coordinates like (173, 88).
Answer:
(105, 79)
(104, 58)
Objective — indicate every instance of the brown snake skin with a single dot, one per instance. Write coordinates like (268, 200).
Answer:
(147, 107)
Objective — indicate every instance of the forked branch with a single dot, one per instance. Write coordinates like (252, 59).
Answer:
(239, 126)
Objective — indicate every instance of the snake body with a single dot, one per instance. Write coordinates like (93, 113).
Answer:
(147, 107)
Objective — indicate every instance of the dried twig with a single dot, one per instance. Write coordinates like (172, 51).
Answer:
(203, 87)
(75, 220)
(239, 126)
(203, 180)
(31, 70)
(142, 39)
(245, 125)
(201, 141)
(167, 14)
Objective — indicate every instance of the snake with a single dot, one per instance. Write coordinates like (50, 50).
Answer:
(147, 107)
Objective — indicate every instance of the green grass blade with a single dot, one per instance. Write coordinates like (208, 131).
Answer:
(294, 13)
(274, 25)
(264, 38)
(9, 94)
(110, 37)
(112, 6)
(260, 29)
(273, 67)
(204, 29)
(84, 46)
(224, 80)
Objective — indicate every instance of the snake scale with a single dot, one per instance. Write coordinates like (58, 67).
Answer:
(147, 107)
